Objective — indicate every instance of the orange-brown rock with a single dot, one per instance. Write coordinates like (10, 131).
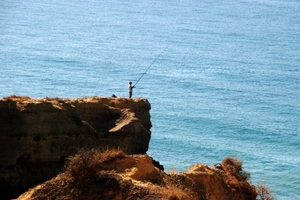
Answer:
(36, 135)
(127, 177)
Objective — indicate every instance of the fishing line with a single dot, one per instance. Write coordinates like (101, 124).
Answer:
(151, 64)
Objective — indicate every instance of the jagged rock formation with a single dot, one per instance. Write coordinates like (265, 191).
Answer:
(124, 177)
(36, 135)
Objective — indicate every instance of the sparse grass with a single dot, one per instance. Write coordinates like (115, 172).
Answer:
(172, 172)
(263, 192)
(83, 166)
(177, 187)
(51, 99)
(175, 193)
(13, 97)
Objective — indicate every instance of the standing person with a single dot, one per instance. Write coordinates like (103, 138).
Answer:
(130, 89)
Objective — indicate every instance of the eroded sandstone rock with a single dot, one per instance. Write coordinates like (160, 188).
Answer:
(36, 135)
(135, 177)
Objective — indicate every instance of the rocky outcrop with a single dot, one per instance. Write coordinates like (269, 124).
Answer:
(37, 135)
(124, 177)
(104, 143)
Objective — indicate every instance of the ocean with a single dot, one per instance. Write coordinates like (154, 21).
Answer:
(222, 77)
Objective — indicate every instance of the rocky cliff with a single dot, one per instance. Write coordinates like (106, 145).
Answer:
(37, 135)
(95, 148)
(112, 175)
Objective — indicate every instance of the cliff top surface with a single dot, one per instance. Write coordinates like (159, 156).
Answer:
(26, 99)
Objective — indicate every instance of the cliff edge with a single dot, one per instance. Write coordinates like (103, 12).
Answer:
(37, 135)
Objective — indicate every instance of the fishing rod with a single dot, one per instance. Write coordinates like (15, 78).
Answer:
(151, 64)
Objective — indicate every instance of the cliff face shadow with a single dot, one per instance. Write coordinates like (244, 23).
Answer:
(99, 122)
(105, 121)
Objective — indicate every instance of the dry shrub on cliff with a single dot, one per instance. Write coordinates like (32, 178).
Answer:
(236, 178)
(83, 166)
(232, 164)
(234, 167)
(178, 187)
(175, 193)
(263, 192)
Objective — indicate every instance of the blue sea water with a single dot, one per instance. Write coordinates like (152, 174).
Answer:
(225, 81)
